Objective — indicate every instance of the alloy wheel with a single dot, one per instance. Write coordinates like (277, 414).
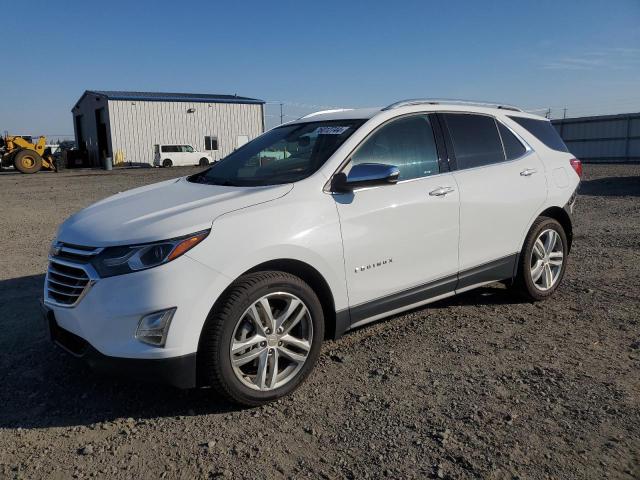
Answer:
(271, 341)
(547, 257)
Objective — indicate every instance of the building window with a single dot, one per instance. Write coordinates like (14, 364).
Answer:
(211, 143)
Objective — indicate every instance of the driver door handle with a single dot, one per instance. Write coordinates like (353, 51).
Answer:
(528, 172)
(441, 191)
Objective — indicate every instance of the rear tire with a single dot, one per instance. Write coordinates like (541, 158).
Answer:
(167, 163)
(204, 162)
(543, 260)
(231, 322)
(27, 161)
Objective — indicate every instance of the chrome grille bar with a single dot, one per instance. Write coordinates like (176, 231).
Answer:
(82, 252)
(67, 282)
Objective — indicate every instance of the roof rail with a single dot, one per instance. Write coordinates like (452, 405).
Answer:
(440, 101)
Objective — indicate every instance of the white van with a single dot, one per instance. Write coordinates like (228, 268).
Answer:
(179, 155)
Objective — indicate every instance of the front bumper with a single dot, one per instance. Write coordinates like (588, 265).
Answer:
(175, 371)
(107, 316)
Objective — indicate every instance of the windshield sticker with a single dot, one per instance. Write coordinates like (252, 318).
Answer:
(331, 130)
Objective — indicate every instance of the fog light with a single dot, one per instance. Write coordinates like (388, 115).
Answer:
(153, 328)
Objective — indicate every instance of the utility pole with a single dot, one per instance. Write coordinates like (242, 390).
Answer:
(548, 114)
(564, 113)
(281, 113)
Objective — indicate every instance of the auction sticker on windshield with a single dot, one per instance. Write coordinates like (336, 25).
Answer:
(331, 130)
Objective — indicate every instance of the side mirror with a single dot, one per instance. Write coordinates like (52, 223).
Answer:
(365, 175)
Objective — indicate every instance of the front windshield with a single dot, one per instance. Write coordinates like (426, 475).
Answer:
(283, 155)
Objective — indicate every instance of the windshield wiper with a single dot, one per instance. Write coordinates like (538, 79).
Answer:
(217, 181)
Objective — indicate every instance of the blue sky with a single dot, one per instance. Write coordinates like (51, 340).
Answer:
(584, 55)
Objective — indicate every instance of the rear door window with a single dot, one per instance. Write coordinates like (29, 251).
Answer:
(543, 131)
(513, 148)
(475, 138)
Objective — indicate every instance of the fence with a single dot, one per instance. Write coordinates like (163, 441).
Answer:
(602, 139)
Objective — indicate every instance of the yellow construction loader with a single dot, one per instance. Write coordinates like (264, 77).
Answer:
(26, 156)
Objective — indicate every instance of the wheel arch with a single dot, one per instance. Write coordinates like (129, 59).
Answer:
(308, 274)
(561, 215)
(314, 279)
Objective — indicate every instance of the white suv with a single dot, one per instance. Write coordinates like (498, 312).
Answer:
(233, 277)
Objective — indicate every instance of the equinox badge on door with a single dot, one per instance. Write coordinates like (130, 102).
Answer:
(374, 265)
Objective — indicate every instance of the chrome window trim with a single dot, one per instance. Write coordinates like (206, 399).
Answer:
(491, 165)
(528, 149)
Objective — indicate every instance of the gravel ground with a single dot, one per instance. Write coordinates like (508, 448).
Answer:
(478, 386)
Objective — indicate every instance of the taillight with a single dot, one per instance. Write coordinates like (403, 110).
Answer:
(577, 166)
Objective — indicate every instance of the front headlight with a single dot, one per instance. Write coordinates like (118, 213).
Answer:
(131, 258)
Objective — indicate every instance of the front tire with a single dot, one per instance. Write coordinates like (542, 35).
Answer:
(27, 161)
(543, 260)
(262, 338)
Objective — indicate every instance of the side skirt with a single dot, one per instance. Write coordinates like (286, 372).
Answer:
(364, 313)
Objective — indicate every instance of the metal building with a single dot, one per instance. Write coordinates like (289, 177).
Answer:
(127, 126)
(602, 139)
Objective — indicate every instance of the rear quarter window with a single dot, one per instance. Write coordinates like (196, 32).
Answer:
(513, 148)
(543, 131)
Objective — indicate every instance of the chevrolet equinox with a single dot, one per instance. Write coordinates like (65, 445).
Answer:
(232, 277)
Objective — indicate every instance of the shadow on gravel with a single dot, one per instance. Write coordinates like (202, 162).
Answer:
(495, 294)
(611, 187)
(42, 386)
(10, 173)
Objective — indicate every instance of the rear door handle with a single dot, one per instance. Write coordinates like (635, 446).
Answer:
(441, 191)
(528, 172)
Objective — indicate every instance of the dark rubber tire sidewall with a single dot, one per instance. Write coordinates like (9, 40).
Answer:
(213, 353)
(166, 163)
(17, 160)
(524, 282)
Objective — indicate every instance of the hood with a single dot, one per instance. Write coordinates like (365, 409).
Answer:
(160, 211)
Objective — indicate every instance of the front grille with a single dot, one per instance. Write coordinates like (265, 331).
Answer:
(66, 283)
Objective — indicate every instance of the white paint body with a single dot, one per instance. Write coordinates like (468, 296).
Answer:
(486, 217)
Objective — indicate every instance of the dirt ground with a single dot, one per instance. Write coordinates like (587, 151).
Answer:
(478, 386)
